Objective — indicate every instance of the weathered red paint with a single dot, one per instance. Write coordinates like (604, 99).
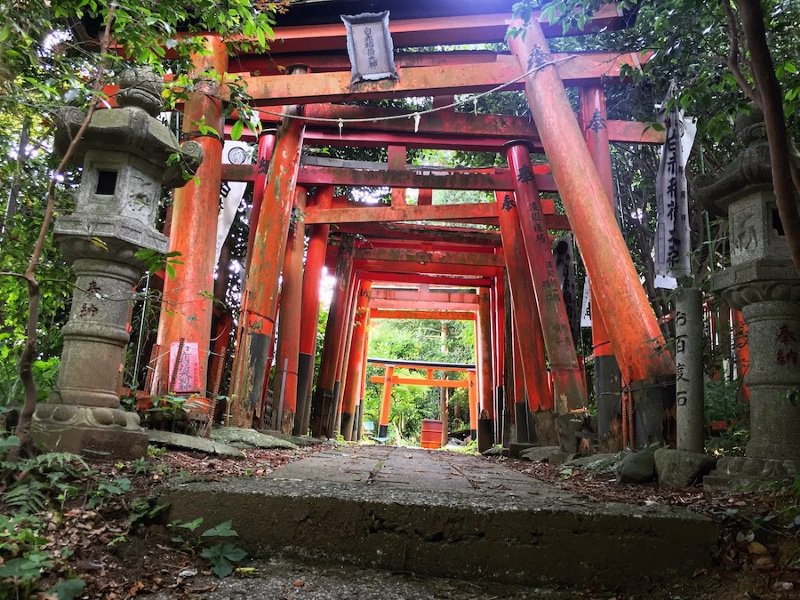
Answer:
(386, 403)
(574, 69)
(631, 323)
(564, 368)
(260, 295)
(344, 349)
(483, 342)
(421, 305)
(592, 101)
(266, 145)
(435, 315)
(309, 309)
(419, 278)
(741, 349)
(437, 257)
(428, 382)
(291, 316)
(473, 404)
(355, 362)
(475, 29)
(187, 304)
(422, 296)
(422, 233)
(323, 407)
(527, 326)
(418, 177)
(433, 268)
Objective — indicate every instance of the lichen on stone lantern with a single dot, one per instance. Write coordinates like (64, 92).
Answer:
(127, 156)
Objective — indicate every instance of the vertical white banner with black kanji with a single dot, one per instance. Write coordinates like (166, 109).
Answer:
(673, 235)
(231, 192)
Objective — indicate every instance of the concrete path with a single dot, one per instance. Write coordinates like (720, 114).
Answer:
(439, 513)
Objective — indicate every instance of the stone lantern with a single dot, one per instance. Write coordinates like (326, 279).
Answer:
(763, 283)
(125, 154)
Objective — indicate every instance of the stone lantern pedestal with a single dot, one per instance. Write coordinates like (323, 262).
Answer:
(124, 154)
(763, 283)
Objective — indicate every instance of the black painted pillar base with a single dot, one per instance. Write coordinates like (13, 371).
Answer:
(521, 420)
(485, 434)
(650, 404)
(383, 431)
(346, 428)
(305, 372)
(607, 390)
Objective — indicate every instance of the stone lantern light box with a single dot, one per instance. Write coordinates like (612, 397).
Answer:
(370, 47)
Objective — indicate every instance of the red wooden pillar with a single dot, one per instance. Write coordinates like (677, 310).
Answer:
(607, 383)
(260, 294)
(568, 383)
(266, 146)
(312, 279)
(520, 404)
(386, 404)
(323, 406)
(396, 156)
(344, 351)
(187, 305)
(473, 404)
(631, 324)
(484, 342)
(527, 326)
(359, 426)
(499, 318)
(741, 350)
(355, 362)
(286, 367)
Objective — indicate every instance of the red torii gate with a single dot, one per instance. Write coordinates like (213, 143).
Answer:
(633, 332)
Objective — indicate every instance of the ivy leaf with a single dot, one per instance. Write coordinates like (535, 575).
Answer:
(221, 530)
(68, 589)
(236, 130)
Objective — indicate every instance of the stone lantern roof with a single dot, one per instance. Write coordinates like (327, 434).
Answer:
(749, 171)
(132, 128)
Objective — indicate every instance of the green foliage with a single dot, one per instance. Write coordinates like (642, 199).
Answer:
(424, 340)
(721, 400)
(155, 261)
(222, 556)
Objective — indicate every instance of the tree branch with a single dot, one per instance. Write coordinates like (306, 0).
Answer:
(774, 119)
(732, 60)
(26, 447)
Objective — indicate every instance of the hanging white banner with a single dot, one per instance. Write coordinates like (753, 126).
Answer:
(586, 305)
(235, 153)
(673, 234)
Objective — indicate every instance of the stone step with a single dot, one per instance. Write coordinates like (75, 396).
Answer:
(439, 513)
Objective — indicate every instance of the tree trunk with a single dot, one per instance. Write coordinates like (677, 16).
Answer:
(772, 105)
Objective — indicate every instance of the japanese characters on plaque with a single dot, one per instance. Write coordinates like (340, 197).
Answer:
(673, 235)
(187, 372)
(370, 47)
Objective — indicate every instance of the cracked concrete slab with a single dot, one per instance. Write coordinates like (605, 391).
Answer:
(437, 513)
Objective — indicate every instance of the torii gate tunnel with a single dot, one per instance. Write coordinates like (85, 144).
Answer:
(422, 260)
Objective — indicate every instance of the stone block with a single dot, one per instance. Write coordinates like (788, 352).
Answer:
(637, 467)
(553, 455)
(516, 448)
(678, 469)
(249, 438)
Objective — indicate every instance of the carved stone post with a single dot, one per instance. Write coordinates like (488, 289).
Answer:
(763, 284)
(124, 154)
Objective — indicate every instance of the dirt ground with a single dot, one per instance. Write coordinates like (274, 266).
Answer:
(758, 554)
